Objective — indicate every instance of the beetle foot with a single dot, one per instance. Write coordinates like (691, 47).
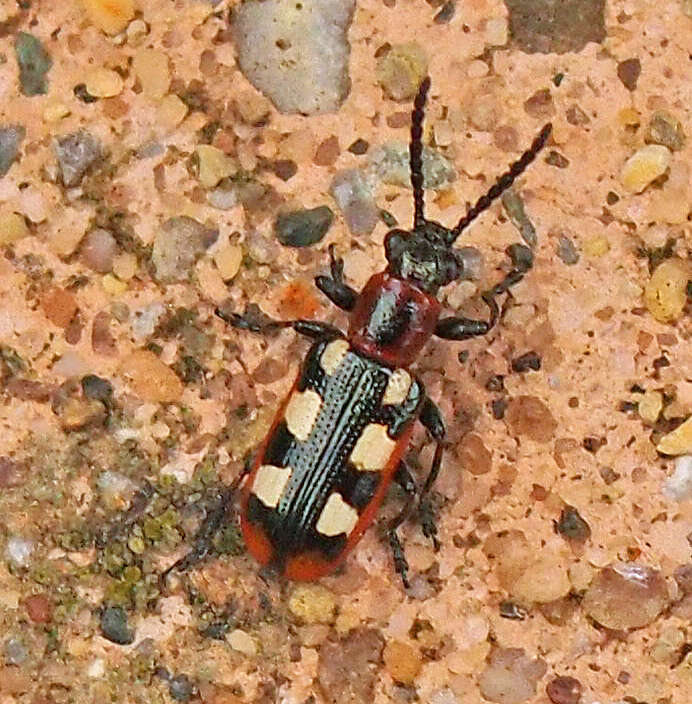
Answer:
(400, 561)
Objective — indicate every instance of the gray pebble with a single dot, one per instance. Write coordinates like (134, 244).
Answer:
(473, 262)
(390, 163)
(10, 139)
(356, 200)
(114, 625)
(514, 207)
(76, 152)
(181, 688)
(302, 228)
(15, 651)
(179, 243)
(567, 251)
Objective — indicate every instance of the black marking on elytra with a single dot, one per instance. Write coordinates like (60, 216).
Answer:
(279, 445)
(358, 488)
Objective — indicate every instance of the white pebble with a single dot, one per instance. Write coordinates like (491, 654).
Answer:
(19, 550)
(678, 487)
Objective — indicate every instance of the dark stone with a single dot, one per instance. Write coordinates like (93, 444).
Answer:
(555, 26)
(114, 626)
(554, 158)
(498, 407)
(34, 63)
(285, 169)
(629, 72)
(359, 147)
(96, 388)
(564, 690)
(572, 525)
(10, 139)
(181, 688)
(302, 228)
(81, 93)
(529, 360)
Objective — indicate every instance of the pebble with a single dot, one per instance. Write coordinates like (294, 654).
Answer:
(214, 165)
(472, 261)
(354, 195)
(302, 228)
(76, 152)
(665, 129)
(496, 31)
(402, 661)
(39, 608)
(110, 16)
(228, 260)
(401, 69)
(181, 688)
(18, 551)
(596, 246)
(665, 294)
(125, 266)
(79, 413)
(649, 406)
(96, 388)
(510, 676)
(544, 580)
(34, 63)
(529, 416)
(567, 251)
(626, 595)
(390, 164)
(296, 54)
(104, 83)
(513, 204)
(116, 489)
(644, 166)
(151, 68)
(171, 111)
(572, 526)
(97, 250)
(564, 690)
(678, 487)
(312, 603)
(628, 72)
(11, 138)
(178, 244)
(569, 28)
(55, 111)
(114, 626)
(15, 651)
(242, 641)
(13, 227)
(59, 306)
(150, 379)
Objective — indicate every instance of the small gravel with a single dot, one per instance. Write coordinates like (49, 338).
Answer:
(401, 69)
(114, 626)
(18, 551)
(629, 71)
(353, 192)
(302, 228)
(15, 651)
(514, 207)
(98, 249)
(76, 153)
(34, 63)
(511, 676)
(626, 595)
(390, 164)
(11, 138)
(564, 690)
(567, 251)
(678, 487)
(181, 688)
(665, 129)
(178, 244)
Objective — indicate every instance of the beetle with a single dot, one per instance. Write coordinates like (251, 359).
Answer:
(338, 438)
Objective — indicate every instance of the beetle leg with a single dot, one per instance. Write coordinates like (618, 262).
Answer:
(333, 286)
(202, 543)
(459, 328)
(404, 479)
(255, 320)
(431, 418)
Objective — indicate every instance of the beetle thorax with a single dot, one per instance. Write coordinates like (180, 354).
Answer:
(393, 319)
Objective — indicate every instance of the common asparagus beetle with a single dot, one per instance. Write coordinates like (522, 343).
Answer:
(338, 438)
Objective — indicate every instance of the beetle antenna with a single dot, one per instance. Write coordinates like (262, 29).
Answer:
(502, 183)
(416, 152)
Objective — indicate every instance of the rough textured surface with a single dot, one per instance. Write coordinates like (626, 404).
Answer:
(127, 404)
(295, 53)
